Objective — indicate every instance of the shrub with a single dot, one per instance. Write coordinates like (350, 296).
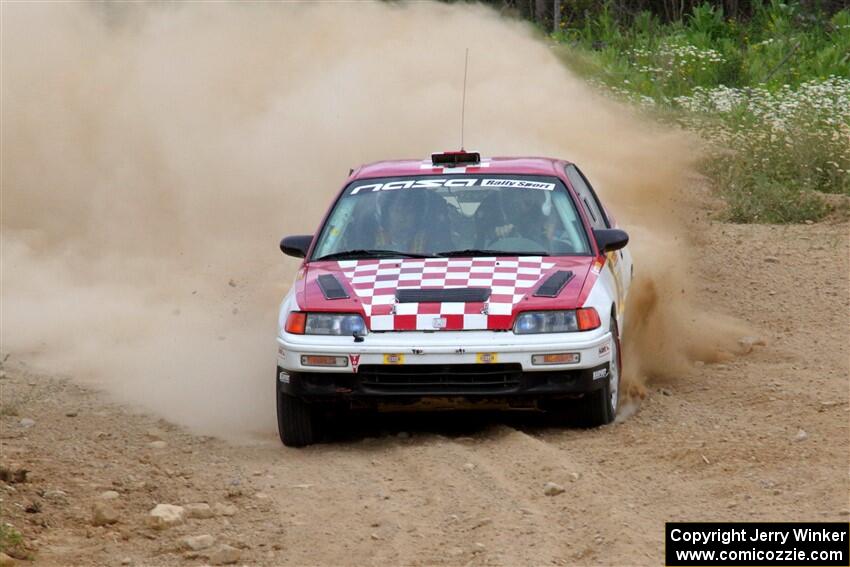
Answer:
(770, 95)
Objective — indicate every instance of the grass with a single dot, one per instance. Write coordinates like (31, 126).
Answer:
(11, 540)
(770, 95)
(9, 409)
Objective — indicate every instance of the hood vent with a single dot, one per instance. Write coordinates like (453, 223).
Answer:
(454, 295)
(331, 288)
(554, 284)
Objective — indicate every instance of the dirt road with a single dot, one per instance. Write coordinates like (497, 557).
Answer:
(760, 437)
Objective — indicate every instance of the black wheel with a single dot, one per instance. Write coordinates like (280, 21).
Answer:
(600, 406)
(297, 421)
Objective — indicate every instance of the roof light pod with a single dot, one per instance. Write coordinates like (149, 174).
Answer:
(455, 159)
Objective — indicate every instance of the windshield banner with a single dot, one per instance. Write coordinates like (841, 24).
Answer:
(433, 183)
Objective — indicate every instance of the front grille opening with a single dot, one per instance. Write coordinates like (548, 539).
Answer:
(443, 377)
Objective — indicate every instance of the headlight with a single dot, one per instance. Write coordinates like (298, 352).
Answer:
(346, 324)
(532, 322)
(335, 324)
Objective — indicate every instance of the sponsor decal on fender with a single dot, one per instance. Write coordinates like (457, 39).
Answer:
(601, 373)
(605, 349)
(355, 361)
(393, 359)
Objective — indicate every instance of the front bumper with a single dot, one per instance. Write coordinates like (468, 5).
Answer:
(469, 364)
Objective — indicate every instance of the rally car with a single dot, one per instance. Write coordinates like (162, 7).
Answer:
(455, 282)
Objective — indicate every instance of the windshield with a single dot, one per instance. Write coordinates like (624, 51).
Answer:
(453, 215)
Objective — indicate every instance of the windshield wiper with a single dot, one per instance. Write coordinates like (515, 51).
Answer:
(366, 253)
(485, 252)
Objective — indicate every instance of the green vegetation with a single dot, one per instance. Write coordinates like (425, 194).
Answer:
(769, 92)
(11, 540)
(8, 409)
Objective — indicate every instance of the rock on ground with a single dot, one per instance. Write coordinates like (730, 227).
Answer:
(56, 496)
(103, 513)
(221, 509)
(747, 343)
(199, 510)
(225, 555)
(553, 489)
(165, 515)
(155, 433)
(196, 543)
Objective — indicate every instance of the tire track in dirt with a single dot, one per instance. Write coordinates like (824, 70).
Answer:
(549, 454)
(487, 493)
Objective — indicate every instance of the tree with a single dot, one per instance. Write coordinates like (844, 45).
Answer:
(556, 15)
(540, 11)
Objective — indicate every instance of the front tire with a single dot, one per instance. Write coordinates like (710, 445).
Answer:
(297, 421)
(600, 406)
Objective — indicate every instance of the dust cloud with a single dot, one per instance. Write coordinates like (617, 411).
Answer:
(153, 156)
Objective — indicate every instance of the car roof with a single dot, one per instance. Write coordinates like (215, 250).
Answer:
(495, 165)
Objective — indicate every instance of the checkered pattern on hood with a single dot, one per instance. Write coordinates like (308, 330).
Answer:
(375, 282)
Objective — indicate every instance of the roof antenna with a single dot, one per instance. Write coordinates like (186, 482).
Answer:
(463, 103)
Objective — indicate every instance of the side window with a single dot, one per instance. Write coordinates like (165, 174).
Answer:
(587, 197)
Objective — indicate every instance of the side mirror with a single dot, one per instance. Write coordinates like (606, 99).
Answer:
(296, 246)
(610, 239)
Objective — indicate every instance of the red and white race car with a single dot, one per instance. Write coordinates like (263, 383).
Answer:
(459, 281)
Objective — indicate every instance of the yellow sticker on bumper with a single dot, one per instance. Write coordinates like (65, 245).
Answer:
(486, 357)
(393, 359)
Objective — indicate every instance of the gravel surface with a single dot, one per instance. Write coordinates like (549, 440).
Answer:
(763, 436)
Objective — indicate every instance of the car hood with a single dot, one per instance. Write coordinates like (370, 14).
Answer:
(452, 294)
